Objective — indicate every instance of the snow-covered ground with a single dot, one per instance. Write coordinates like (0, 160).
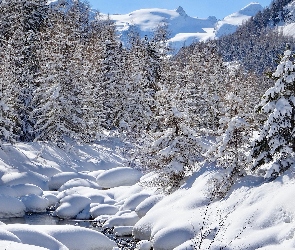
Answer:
(91, 183)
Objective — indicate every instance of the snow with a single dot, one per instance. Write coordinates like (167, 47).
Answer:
(255, 213)
(230, 23)
(121, 176)
(60, 179)
(35, 203)
(184, 30)
(144, 245)
(71, 205)
(123, 231)
(11, 207)
(103, 209)
(59, 237)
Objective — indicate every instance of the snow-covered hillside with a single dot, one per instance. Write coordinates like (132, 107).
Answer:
(230, 23)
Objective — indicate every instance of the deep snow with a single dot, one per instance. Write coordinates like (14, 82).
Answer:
(35, 176)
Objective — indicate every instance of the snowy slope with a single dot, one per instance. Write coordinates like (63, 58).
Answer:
(230, 23)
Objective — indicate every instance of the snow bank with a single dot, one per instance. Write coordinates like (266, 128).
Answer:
(121, 176)
(56, 237)
(10, 245)
(33, 236)
(77, 238)
(10, 179)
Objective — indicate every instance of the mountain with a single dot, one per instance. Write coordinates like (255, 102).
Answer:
(183, 28)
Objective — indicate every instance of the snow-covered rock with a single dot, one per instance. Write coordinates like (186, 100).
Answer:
(11, 207)
(32, 236)
(26, 189)
(144, 245)
(121, 176)
(35, 203)
(103, 209)
(147, 204)
(15, 178)
(123, 230)
(60, 179)
(71, 205)
(78, 182)
(127, 219)
(132, 202)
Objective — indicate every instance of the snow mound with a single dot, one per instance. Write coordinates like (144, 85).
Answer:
(10, 179)
(78, 182)
(103, 209)
(71, 206)
(35, 203)
(52, 199)
(11, 207)
(77, 238)
(144, 245)
(25, 189)
(169, 238)
(10, 245)
(123, 231)
(132, 202)
(121, 176)
(8, 236)
(147, 204)
(59, 179)
(126, 219)
(32, 236)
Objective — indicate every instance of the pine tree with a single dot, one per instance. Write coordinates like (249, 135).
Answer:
(274, 148)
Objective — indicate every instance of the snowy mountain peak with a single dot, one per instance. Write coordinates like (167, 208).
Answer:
(251, 9)
(181, 11)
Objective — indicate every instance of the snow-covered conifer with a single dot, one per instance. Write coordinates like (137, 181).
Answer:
(273, 149)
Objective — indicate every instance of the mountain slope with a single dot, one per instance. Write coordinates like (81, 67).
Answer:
(182, 28)
(230, 23)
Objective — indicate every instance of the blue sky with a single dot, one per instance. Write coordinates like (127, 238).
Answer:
(194, 8)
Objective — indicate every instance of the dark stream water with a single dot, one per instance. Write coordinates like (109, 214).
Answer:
(124, 243)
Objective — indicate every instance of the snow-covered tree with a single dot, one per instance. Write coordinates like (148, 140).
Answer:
(273, 149)
(21, 24)
(58, 99)
(231, 149)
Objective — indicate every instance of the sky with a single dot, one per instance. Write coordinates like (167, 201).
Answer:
(194, 8)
